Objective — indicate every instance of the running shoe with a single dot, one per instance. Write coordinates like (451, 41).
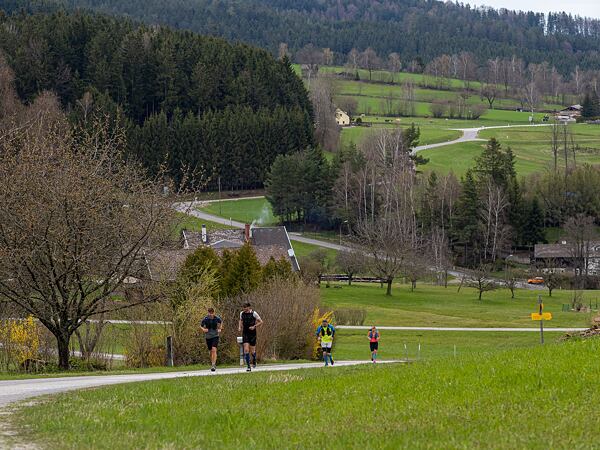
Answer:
(248, 369)
(213, 368)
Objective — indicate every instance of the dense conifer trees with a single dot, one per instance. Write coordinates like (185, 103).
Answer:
(197, 104)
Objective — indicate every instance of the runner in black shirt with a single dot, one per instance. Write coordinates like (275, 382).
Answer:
(249, 322)
(212, 325)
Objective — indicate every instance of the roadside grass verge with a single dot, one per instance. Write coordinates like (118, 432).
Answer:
(191, 223)
(539, 398)
(400, 345)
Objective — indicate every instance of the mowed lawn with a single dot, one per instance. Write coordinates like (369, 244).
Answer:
(538, 398)
(427, 345)
(250, 210)
(429, 134)
(436, 306)
(531, 146)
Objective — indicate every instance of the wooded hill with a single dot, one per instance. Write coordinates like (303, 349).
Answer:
(193, 103)
(417, 30)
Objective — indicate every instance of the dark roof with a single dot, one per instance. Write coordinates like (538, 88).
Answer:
(223, 243)
(267, 242)
(276, 237)
(163, 265)
(544, 251)
(191, 239)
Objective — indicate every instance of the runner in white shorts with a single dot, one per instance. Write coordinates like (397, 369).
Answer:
(325, 334)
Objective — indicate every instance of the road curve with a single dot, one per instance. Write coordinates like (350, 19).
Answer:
(190, 208)
(471, 135)
(16, 390)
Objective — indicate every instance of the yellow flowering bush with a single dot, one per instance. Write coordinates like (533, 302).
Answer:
(20, 341)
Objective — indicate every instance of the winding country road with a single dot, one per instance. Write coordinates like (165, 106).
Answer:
(190, 208)
(468, 135)
(471, 135)
(16, 390)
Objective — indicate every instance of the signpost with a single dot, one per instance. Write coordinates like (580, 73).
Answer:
(541, 316)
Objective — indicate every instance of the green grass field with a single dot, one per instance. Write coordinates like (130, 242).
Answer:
(429, 134)
(251, 210)
(531, 147)
(428, 345)
(382, 97)
(538, 398)
(443, 307)
(186, 222)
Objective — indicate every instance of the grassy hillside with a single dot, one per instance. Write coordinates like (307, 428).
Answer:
(531, 147)
(443, 307)
(521, 398)
(377, 98)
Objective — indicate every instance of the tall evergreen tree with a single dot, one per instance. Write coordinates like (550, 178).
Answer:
(533, 230)
(467, 218)
(245, 273)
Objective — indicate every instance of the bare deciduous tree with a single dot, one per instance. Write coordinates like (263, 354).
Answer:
(283, 50)
(311, 58)
(369, 61)
(327, 131)
(482, 280)
(351, 263)
(580, 235)
(493, 215)
(440, 253)
(489, 91)
(75, 220)
(394, 63)
(381, 238)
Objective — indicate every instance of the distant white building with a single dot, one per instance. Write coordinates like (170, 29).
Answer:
(341, 118)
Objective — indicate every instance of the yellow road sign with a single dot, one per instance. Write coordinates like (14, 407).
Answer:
(543, 316)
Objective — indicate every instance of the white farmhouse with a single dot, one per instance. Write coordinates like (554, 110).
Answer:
(341, 118)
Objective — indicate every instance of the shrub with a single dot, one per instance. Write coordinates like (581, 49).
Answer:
(350, 316)
(187, 302)
(20, 339)
(287, 308)
(144, 347)
(438, 108)
(476, 111)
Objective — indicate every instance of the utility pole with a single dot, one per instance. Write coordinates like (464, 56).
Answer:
(220, 206)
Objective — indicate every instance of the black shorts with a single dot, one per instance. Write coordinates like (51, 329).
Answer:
(249, 337)
(212, 342)
(374, 346)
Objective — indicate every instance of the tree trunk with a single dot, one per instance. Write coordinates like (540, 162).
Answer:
(350, 280)
(389, 286)
(480, 292)
(62, 342)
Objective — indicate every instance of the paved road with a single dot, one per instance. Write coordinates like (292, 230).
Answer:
(533, 330)
(190, 209)
(16, 390)
(470, 135)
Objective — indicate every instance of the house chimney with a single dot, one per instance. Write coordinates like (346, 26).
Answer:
(247, 232)
(204, 236)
